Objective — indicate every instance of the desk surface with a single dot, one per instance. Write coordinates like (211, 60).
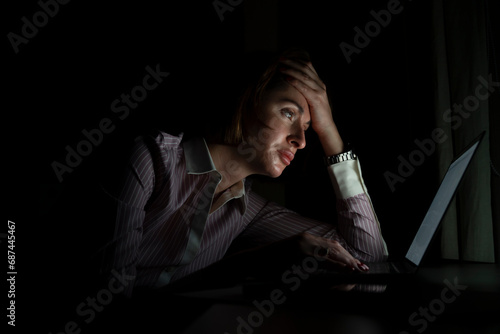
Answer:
(449, 298)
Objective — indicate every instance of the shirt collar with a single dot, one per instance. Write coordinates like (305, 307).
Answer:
(199, 161)
(198, 158)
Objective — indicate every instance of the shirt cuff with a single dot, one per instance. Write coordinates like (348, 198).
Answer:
(347, 179)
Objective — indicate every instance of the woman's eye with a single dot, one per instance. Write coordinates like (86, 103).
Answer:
(288, 113)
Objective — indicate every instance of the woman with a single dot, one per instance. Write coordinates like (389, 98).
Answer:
(184, 201)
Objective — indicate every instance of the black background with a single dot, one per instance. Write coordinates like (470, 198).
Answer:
(65, 78)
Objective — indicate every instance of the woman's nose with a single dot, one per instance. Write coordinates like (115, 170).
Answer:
(297, 139)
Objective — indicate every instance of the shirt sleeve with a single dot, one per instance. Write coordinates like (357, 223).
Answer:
(138, 183)
(358, 228)
(357, 220)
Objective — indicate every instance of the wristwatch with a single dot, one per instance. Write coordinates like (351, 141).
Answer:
(344, 156)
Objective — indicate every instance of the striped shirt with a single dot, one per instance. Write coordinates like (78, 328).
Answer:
(167, 226)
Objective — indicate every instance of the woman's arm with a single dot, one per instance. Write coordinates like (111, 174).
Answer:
(137, 187)
(358, 227)
(358, 230)
(357, 221)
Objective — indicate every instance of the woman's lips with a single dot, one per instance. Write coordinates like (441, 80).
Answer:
(286, 156)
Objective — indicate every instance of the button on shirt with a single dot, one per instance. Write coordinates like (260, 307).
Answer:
(168, 225)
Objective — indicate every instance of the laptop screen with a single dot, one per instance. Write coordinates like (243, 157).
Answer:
(439, 205)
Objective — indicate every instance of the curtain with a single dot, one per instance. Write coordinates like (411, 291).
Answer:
(463, 84)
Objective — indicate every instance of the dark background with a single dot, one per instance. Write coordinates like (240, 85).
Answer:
(65, 78)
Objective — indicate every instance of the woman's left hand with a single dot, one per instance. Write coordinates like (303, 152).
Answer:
(305, 79)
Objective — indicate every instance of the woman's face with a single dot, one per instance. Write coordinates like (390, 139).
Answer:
(278, 130)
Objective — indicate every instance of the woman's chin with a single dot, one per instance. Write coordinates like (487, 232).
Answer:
(276, 171)
(271, 168)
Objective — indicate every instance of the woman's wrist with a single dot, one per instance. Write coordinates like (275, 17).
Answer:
(331, 141)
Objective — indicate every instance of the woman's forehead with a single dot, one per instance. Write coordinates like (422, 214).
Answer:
(288, 94)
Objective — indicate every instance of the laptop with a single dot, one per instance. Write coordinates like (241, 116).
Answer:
(380, 272)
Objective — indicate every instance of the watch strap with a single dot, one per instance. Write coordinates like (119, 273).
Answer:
(344, 156)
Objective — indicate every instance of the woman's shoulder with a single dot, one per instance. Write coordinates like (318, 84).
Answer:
(156, 146)
(160, 139)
